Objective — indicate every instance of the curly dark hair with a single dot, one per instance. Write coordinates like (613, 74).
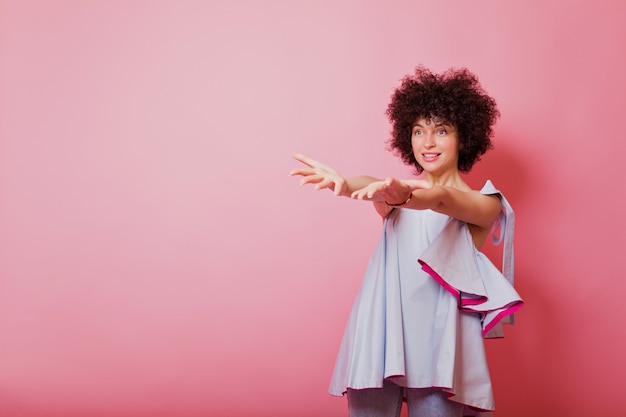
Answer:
(454, 97)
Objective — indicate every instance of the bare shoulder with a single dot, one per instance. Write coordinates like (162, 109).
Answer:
(488, 202)
(490, 207)
(485, 198)
(471, 206)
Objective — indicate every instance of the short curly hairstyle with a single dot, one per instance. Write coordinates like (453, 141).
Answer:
(455, 97)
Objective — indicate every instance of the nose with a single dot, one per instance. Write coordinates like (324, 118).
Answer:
(429, 141)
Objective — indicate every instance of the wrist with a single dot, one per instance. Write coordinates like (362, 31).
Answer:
(401, 204)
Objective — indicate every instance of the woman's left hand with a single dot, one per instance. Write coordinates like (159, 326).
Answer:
(392, 190)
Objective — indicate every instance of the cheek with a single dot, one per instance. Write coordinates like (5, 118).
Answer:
(453, 145)
(415, 147)
(415, 142)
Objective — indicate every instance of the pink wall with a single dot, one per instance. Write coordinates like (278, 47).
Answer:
(156, 259)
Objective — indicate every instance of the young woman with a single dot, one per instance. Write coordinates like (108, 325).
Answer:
(429, 296)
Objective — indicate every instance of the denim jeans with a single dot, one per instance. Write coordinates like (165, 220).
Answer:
(387, 402)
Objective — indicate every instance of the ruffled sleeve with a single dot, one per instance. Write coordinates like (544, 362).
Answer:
(455, 263)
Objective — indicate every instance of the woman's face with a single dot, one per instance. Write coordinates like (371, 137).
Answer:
(435, 145)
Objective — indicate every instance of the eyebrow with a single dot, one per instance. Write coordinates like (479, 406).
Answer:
(436, 124)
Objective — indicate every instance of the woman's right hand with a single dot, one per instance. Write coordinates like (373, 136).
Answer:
(321, 175)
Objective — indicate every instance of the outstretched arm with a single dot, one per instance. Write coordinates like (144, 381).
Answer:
(469, 206)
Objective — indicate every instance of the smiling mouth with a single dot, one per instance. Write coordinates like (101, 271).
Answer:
(428, 156)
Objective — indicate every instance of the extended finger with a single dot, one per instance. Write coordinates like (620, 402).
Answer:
(379, 187)
(358, 194)
(309, 161)
(324, 183)
(304, 159)
(364, 192)
(302, 171)
(311, 179)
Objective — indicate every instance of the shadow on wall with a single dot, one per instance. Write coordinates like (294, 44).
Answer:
(539, 320)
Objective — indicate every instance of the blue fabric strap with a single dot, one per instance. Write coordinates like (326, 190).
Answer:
(503, 231)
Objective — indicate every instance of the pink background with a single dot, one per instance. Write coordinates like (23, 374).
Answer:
(157, 260)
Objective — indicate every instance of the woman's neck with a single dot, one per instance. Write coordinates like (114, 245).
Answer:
(448, 179)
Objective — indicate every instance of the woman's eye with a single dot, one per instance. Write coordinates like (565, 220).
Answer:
(441, 132)
(418, 133)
